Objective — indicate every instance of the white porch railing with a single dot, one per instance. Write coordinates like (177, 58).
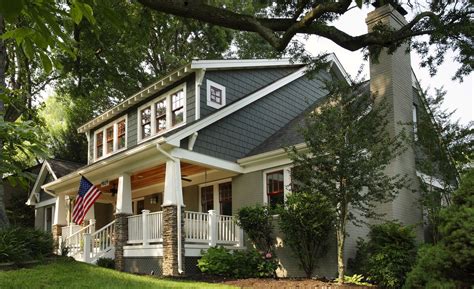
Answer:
(145, 228)
(99, 243)
(201, 228)
(74, 242)
(67, 231)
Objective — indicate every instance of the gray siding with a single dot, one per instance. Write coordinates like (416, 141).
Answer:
(239, 83)
(132, 126)
(236, 135)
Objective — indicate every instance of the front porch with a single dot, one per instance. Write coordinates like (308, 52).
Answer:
(137, 216)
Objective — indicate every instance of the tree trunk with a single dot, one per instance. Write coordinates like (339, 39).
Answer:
(341, 238)
(3, 61)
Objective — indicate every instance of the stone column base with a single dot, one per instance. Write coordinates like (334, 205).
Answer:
(56, 231)
(170, 241)
(120, 239)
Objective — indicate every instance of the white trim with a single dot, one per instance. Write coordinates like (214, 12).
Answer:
(209, 102)
(48, 202)
(241, 63)
(45, 217)
(430, 180)
(197, 94)
(74, 176)
(103, 129)
(161, 83)
(41, 177)
(151, 104)
(201, 159)
(286, 181)
(177, 137)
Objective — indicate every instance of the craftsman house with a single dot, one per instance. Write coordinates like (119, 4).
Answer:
(200, 143)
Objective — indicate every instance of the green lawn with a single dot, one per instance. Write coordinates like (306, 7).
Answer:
(69, 274)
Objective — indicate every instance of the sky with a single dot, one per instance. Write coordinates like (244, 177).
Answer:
(460, 96)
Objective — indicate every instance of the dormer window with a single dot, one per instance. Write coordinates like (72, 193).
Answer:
(215, 94)
(162, 114)
(110, 139)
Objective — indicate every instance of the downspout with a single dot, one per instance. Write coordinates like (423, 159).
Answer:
(180, 261)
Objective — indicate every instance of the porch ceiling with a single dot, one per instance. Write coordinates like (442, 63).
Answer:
(154, 175)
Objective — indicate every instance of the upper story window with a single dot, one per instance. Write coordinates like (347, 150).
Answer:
(110, 139)
(163, 113)
(215, 94)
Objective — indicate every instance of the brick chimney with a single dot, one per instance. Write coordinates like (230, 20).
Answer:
(391, 78)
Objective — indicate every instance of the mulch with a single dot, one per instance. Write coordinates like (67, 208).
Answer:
(280, 283)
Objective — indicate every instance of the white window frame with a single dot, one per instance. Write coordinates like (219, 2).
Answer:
(215, 193)
(286, 181)
(104, 138)
(415, 121)
(153, 123)
(211, 103)
(135, 204)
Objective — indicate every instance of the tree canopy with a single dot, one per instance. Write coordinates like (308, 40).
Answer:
(448, 24)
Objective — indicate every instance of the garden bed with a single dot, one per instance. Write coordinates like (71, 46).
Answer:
(289, 283)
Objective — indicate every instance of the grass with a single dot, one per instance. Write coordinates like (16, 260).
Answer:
(71, 274)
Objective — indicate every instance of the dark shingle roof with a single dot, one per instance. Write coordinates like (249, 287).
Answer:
(290, 134)
(62, 167)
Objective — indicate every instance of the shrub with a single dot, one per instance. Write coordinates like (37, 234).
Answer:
(256, 221)
(106, 263)
(305, 221)
(449, 263)
(238, 264)
(387, 256)
(24, 244)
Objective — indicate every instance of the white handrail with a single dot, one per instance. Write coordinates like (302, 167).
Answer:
(74, 242)
(101, 242)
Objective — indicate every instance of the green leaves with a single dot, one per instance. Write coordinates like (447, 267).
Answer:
(10, 9)
(79, 10)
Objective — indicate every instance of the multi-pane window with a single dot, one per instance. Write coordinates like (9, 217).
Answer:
(146, 122)
(225, 198)
(275, 188)
(99, 143)
(216, 95)
(121, 134)
(177, 102)
(207, 198)
(160, 112)
(110, 139)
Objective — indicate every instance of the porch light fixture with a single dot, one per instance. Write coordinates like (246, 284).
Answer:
(113, 190)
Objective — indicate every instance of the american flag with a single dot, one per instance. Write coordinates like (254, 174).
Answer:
(86, 197)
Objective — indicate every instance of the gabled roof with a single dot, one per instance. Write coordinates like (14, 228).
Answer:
(56, 168)
(199, 65)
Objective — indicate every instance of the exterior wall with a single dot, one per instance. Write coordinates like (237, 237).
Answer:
(149, 206)
(104, 214)
(247, 190)
(191, 198)
(236, 135)
(239, 83)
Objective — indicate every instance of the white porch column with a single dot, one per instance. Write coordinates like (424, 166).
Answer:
(124, 195)
(173, 194)
(60, 211)
(173, 220)
(122, 210)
